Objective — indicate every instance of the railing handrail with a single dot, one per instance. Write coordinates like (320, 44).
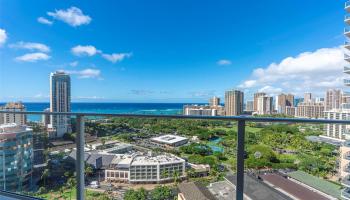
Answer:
(230, 118)
(241, 122)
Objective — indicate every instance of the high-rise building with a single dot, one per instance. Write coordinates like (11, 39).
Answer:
(60, 101)
(345, 148)
(337, 131)
(45, 120)
(264, 105)
(307, 97)
(249, 107)
(345, 100)
(214, 101)
(16, 157)
(290, 110)
(310, 109)
(282, 101)
(256, 96)
(333, 99)
(7, 118)
(202, 110)
(234, 102)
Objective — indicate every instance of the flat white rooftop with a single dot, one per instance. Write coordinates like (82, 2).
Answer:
(155, 160)
(168, 139)
(13, 128)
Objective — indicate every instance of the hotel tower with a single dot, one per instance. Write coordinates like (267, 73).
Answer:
(60, 101)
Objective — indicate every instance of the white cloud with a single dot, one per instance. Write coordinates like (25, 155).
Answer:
(116, 57)
(74, 64)
(3, 36)
(72, 16)
(224, 62)
(88, 98)
(141, 92)
(86, 73)
(33, 57)
(43, 20)
(87, 50)
(202, 94)
(31, 46)
(309, 71)
(271, 90)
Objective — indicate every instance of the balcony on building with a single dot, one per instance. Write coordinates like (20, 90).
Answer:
(347, 57)
(347, 45)
(347, 168)
(346, 181)
(347, 19)
(347, 70)
(347, 6)
(347, 32)
(346, 156)
(347, 82)
(345, 193)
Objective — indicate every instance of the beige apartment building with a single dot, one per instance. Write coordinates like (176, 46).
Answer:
(310, 110)
(333, 99)
(234, 102)
(256, 96)
(18, 119)
(282, 101)
(214, 101)
(264, 105)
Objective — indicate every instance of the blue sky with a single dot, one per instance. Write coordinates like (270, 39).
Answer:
(169, 51)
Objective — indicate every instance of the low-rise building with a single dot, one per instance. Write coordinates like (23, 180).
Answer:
(194, 191)
(200, 170)
(146, 168)
(169, 141)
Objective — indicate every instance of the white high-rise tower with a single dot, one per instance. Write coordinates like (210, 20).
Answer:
(60, 101)
(344, 170)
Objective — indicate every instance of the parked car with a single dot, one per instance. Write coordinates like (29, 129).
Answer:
(94, 184)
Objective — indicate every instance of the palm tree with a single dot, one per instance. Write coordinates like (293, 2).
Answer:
(45, 175)
(103, 140)
(70, 184)
(176, 177)
(165, 174)
(88, 170)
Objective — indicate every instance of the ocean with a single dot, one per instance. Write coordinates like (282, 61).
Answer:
(118, 108)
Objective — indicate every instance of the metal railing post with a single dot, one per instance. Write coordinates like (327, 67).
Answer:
(240, 160)
(80, 157)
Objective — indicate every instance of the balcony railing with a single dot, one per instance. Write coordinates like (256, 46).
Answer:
(346, 31)
(345, 193)
(346, 181)
(347, 19)
(241, 122)
(347, 4)
(346, 70)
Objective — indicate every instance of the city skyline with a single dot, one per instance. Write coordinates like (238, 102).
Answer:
(141, 58)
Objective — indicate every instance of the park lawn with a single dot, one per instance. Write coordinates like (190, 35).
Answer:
(247, 128)
(317, 183)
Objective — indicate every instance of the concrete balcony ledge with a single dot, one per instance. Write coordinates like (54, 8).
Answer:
(4, 195)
